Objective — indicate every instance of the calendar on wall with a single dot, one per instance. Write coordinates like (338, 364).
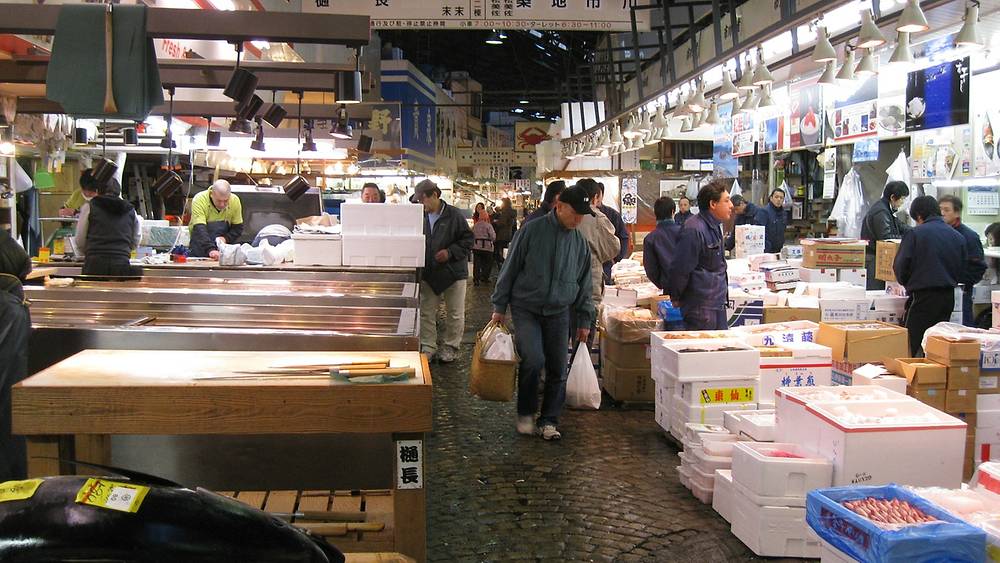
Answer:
(983, 199)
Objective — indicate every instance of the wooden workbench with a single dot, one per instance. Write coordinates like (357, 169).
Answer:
(69, 410)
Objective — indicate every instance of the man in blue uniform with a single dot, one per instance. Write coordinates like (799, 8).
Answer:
(659, 247)
(880, 224)
(975, 265)
(774, 220)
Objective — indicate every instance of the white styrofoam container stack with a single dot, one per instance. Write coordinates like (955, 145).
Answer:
(684, 413)
(743, 390)
(757, 468)
(722, 495)
(809, 365)
(383, 235)
(318, 249)
(757, 425)
(772, 531)
(739, 360)
(790, 406)
(397, 251)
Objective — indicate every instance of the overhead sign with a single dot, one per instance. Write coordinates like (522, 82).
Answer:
(630, 200)
(559, 15)
(527, 134)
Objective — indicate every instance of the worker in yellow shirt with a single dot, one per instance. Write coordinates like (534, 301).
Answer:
(86, 192)
(215, 213)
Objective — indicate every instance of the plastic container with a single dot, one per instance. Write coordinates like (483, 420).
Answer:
(720, 445)
(403, 251)
(709, 463)
(382, 219)
(722, 495)
(772, 531)
(318, 250)
(780, 477)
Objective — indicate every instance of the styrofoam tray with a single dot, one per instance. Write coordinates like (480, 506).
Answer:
(761, 500)
(709, 463)
(704, 480)
(712, 363)
(722, 495)
(694, 430)
(757, 425)
(779, 477)
(720, 445)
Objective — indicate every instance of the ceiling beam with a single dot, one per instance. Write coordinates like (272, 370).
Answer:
(221, 110)
(232, 26)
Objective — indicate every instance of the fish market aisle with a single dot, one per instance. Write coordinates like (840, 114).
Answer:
(607, 491)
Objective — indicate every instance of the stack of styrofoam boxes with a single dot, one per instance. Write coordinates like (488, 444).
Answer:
(840, 301)
(757, 426)
(878, 374)
(694, 436)
(873, 436)
(318, 249)
(853, 276)
(854, 344)
(383, 234)
(770, 483)
(749, 240)
(779, 275)
(715, 453)
(818, 275)
(794, 365)
(663, 381)
(886, 307)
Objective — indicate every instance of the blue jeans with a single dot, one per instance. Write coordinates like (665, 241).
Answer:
(703, 318)
(542, 343)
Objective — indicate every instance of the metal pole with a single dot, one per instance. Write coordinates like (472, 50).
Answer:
(638, 53)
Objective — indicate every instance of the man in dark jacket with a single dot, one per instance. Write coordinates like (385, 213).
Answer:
(546, 275)
(552, 192)
(698, 281)
(621, 232)
(975, 265)
(15, 327)
(881, 224)
(774, 220)
(106, 234)
(504, 223)
(659, 247)
(446, 268)
(683, 210)
(745, 213)
(929, 264)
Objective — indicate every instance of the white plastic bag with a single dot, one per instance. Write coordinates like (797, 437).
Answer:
(849, 209)
(582, 389)
(500, 347)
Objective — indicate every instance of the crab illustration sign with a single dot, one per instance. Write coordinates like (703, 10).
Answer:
(527, 134)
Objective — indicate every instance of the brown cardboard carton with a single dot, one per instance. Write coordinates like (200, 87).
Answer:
(627, 384)
(970, 458)
(918, 371)
(885, 255)
(930, 395)
(863, 341)
(625, 355)
(969, 418)
(821, 253)
(989, 384)
(962, 400)
(953, 351)
(785, 314)
(963, 377)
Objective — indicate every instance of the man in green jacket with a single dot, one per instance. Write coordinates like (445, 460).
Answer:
(546, 274)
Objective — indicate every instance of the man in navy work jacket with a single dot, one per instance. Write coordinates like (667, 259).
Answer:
(772, 216)
(975, 265)
(929, 263)
(880, 224)
(659, 247)
(746, 214)
(546, 274)
(698, 283)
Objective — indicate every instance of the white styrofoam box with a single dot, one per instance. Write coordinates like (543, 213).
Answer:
(684, 413)
(761, 500)
(381, 219)
(767, 475)
(794, 262)
(318, 250)
(792, 251)
(883, 301)
(757, 425)
(794, 424)
(891, 317)
(836, 290)
(722, 495)
(988, 382)
(747, 279)
(701, 493)
(772, 531)
(615, 296)
(720, 445)
(855, 276)
(693, 431)
(818, 275)
(808, 366)
(755, 260)
(988, 418)
(658, 352)
(684, 474)
(718, 391)
(988, 402)
(876, 374)
(712, 363)
(830, 554)
(705, 480)
(662, 404)
(709, 463)
(929, 452)
(840, 309)
(384, 251)
(802, 301)
(783, 274)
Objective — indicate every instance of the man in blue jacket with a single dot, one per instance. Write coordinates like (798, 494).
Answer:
(546, 274)
(881, 224)
(929, 264)
(745, 213)
(774, 219)
(975, 265)
(621, 232)
(698, 282)
(683, 210)
(659, 247)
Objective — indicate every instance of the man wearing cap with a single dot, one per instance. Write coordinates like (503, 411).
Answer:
(448, 241)
(546, 275)
(215, 213)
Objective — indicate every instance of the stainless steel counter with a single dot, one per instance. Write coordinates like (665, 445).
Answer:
(202, 269)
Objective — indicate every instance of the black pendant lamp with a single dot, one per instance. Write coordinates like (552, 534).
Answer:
(298, 186)
(242, 83)
(80, 136)
(349, 83)
(212, 138)
(169, 182)
(104, 169)
(342, 126)
(244, 114)
(130, 136)
(258, 143)
(274, 115)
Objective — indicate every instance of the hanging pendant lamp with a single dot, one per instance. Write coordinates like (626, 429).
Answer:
(902, 53)
(870, 35)
(912, 20)
(969, 35)
(847, 69)
(729, 90)
(761, 74)
(823, 51)
(830, 74)
(746, 81)
(866, 67)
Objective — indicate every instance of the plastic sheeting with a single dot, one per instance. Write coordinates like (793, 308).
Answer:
(849, 209)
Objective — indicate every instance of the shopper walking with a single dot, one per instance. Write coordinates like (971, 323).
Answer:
(448, 241)
(482, 248)
(106, 234)
(659, 248)
(698, 282)
(547, 275)
(774, 220)
(881, 224)
(683, 210)
(975, 264)
(621, 233)
(745, 213)
(929, 264)
(15, 327)
(503, 222)
(552, 192)
(599, 232)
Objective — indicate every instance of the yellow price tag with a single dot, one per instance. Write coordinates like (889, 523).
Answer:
(726, 395)
(124, 497)
(18, 490)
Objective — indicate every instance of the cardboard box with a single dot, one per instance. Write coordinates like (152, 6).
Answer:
(854, 276)
(829, 253)
(744, 310)
(989, 384)
(627, 384)
(890, 317)
(963, 377)
(952, 351)
(969, 418)
(930, 395)
(843, 373)
(818, 275)
(863, 342)
(885, 255)
(785, 314)
(837, 290)
(625, 355)
(782, 286)
(961, 400)
(918, 371)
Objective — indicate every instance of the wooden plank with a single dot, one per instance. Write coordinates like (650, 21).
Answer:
(94, 448)
(281, 501)
(314, 500)
(344, 500)
(39, 447)
(378, 508)
(255, 499)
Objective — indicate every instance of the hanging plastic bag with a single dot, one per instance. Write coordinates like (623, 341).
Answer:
(692, 188)
(499, 347)
(849, 209)
(582, 389)
(899, 171)
(757, 188)
(787, 205)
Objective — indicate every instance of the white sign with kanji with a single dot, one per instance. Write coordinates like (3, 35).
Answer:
(409, 464)
(630, 200)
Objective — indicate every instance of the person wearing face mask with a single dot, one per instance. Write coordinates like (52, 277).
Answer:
(86, 192)
(881, 224)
